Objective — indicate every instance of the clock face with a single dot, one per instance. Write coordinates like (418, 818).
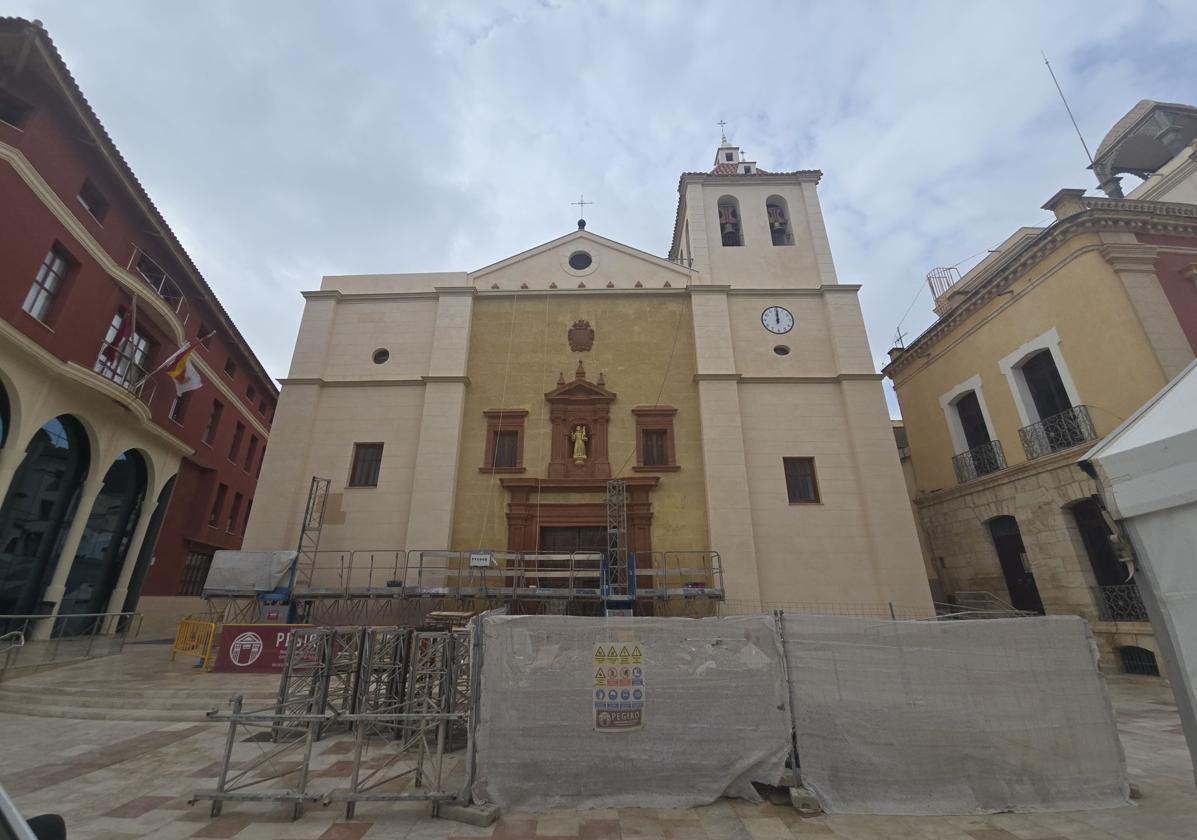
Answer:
(777, 319)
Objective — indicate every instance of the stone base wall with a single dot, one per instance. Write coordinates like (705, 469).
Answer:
(1039, 495)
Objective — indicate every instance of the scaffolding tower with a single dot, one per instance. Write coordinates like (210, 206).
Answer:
(619, 587)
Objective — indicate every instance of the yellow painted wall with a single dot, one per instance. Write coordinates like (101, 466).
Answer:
(518, 347)
(1103, 344)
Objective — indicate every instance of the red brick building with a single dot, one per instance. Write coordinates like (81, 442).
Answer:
(112, 487)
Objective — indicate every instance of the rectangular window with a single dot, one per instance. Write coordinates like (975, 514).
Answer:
(235, 446)
(367, 459)
(204, 336)
(251, 452)
(507, 448)
(213, 422)
(262, 408)
(234, 513)
(230, 367)
(178, 407)
(195, 572)
(123, 354)
(93, 200)
(47, 284)
(801, 484)
(655, 452)
(258, 471)
(13, 111)
(251, 392)
(249, 506)
(217, 505)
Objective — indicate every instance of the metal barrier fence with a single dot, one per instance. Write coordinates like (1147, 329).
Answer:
(42, 639)
(404, 694)
(194, 637)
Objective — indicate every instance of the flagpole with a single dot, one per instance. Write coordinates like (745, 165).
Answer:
(186, 344)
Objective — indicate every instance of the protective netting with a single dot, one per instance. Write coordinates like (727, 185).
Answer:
(952, 717)
(892, 717)
(714, 716)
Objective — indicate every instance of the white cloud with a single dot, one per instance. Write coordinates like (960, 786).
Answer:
(284, 141)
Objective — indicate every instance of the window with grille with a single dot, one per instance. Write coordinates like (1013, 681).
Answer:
(367, 460)
(217, 505)
(507, 448)
(47, 284)
(234, 513)
(123, 354)
(213, 422)
(195, 572)
(656, 453)
(801, 484)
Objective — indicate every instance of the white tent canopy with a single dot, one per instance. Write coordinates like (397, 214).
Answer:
(1147, 471)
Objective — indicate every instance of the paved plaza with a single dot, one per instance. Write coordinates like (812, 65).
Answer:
(115, 773)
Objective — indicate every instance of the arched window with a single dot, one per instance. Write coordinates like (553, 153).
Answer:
(779, 220)
(106, 538)
(5, 415)
(38, 510)
(730, 228)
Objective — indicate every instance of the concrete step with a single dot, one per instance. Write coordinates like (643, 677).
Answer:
(83, 713)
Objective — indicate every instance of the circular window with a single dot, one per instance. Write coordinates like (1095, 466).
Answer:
(781, 350)
(579, 260)
(381, 355)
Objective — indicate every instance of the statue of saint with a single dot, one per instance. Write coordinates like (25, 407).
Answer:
(579, 438)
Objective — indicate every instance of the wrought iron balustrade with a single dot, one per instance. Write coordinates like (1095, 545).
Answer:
(1060, 431)
(1121, 603)
(157, 279)
(123, 365)
(978, 461)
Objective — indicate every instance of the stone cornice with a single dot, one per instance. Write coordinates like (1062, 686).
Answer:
(1130, 256)
(350, 383)
(1101, 215)
(831, 379)
(1064, 458)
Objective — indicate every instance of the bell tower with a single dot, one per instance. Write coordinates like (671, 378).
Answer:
(740, 225)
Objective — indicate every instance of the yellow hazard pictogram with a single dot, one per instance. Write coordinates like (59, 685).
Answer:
(611, 654)
(636, 655)
(599, 656)
(599, 677)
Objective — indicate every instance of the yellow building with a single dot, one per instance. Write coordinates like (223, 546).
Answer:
(1046, 345)
(729, 385)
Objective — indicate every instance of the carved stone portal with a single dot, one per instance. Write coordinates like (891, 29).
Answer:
(581, 336)
(580, 412)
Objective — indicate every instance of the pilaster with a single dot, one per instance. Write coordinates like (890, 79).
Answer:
(129, 561)
(56, 588)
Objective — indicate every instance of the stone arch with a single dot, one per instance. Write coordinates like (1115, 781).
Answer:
(38, 509)
(10, 414)
(731, 223)
(781, 228)
(107, 536)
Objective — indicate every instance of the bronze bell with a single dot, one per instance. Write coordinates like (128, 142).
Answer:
(728, 227)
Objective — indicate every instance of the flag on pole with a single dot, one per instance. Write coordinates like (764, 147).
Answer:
(116, 346)
(182, 371)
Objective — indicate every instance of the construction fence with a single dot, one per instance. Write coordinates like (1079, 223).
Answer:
(529, 712)
(888, 717)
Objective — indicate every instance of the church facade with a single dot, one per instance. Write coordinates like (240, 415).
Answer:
(730, 385)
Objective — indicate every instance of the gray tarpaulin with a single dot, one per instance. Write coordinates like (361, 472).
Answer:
(952, 717)
(714, 716)
(249, 571)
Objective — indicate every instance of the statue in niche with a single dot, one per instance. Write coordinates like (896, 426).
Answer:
(579, 438)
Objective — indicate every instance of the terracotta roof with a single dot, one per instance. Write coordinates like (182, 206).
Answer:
(18, 25)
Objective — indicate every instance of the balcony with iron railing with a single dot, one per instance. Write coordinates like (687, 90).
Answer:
(1121, 603)
(125, 366)
(141, 265)
(1069, 428)
(978, 461)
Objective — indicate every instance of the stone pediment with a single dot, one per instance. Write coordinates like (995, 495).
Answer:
(598, 263)
(579, 390)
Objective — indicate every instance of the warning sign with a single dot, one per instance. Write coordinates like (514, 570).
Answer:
(619, 691)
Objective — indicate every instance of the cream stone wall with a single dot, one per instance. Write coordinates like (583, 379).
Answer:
(1074, 292)
(758, 263)
(644, 347)
(40, 387)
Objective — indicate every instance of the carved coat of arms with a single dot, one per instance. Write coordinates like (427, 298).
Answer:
(581, 336)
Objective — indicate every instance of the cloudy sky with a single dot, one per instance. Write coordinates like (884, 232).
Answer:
(288, 140)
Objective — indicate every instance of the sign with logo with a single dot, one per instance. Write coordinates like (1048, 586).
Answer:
(253, 648)
(618, 690)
